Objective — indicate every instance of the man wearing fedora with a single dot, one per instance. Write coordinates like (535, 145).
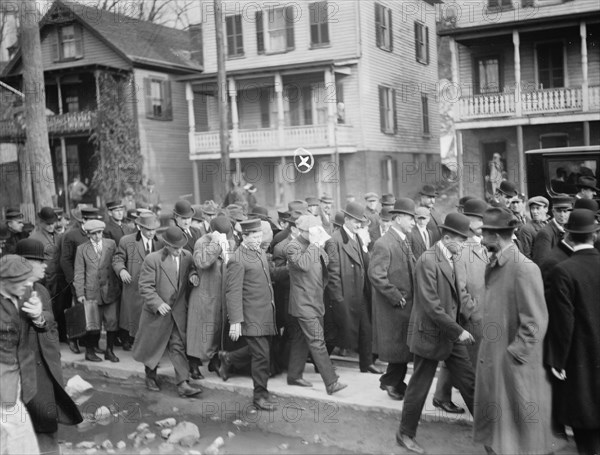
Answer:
(15, 222)
(553, 232)
(127, 265)
(421, 236)
(586, 188)
(250, 311)
(572, 342)
(427, 196)
(512, 407)
(182, 215)
(391, 271)
(163, 286)
(538, 208)
(95, 280)
(435, 333)
(326, 203)
(349, 288)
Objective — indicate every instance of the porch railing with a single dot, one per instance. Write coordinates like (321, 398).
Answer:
(69, 123)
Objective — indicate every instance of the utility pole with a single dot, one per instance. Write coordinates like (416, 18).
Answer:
(222, 96)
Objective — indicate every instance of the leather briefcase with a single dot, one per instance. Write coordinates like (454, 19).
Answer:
(82, 318)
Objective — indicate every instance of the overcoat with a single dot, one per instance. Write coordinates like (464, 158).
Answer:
(94, 277)
(158, 284)
(526, 235)
(206, 302)
(573, 338)
(417, 243)
(348, 289)
(391, 271)
(68, 250)
(130, 256)
(435, 221)
(546, 239)
(115, 232)
(512, 392)
(559, 253)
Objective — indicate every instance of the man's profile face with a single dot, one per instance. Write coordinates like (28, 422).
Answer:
(427, 201)
(183, 222)
(352, 224)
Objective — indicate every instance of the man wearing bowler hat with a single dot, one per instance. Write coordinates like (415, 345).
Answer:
(163, 285)
(505, 191)
(349, 289)
(435, 332)
(45, 232)
(553, 232)
(586, 188)
(538, 208)
(250, 311)
(427, 196)
(15, 223)
(127, 265)
(391, 271)
(182, 215)
(115, 226)
(510, 373)
(572, 342)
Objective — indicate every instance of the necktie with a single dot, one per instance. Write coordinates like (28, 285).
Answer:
(425, 238)
(176, 259)
(148, 247)
(98, 248)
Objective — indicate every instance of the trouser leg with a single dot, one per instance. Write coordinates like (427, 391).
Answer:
(259, 353)
(176, 349)
(416, 394)
(443, 390)
(394, 376)
(314, 337)
(298, 352)
(365, 340)
(462, 374)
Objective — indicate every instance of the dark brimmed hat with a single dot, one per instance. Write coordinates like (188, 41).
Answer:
(197, 213)
(297, 205)
(236, 214)
(249, 226)
(310, 201)
(429, 191)
(508, 188)
(562, 201)
(14, 214)
(30, 249)
(388, 199)
(371, 196)
(582, 221)
(221, 224)
(76, 215)
(538, 200)
(183, 209)
(356, 211)
(47, 215)
(463, 200)
(385, 214)
(59, 211)
(475, 207)
(174, 237)
(90, 213)
(294, 215)
(132, 214)
(259, 212)
(15, 269)
(404, 205)
(587, 182)
(338, 219)
(147, 221)
(113, 205)
(326, 199)
(499, 219)
(457, 223)
(589, 204)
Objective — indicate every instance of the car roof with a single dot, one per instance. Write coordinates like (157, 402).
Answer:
(566, 150)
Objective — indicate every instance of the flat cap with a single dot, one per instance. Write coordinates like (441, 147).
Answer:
(305, 222)
(91, 226)
(14, 268)
(371, 196)
(538, 200)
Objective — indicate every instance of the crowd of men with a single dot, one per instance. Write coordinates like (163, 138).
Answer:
(499, 292)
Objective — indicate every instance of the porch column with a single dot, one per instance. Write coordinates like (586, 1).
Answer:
(189, 97)
(460, 163)
(454, 70)
(517, 57)
(584, 68)
(280, 113)
(63, 150)
(521, 159)
(234, 115)
(331, 106)
(97, 80)
(586, 133)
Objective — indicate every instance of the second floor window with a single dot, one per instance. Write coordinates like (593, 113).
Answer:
(235, 39)
(69, 43)
(387, 110)
(71, 103)
(500, 3)
(550, 62)
(281, 29)
(383, 27)
(319, 26)
(421, 43)
(487, 75)
(158, 99)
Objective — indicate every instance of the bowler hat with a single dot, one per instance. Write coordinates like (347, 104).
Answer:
(30, 249)
(148, 221)
(305, 222)
(385, 214)
(589, 204)
(587, 182)
(297, 205)
(259, 212)
(174, 237)
(47, 215)
(463, 200)
(582, 221)
(221, 224)
(457, 223)
(475, 207)
(197, 213)
(508, 188)
(113, 205)
(371, 197)
(404, 205)
(538, 200)
(14, 269)
(91, 226)
(312, 201)
(326, 199)
(338, 219)
(499, 219)
(428, 190)
(356, 211)
(183, 209)
(249, 226)
(13, 214)
(562, 201)
(388, 199)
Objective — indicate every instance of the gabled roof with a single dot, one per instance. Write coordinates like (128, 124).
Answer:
(140, 42)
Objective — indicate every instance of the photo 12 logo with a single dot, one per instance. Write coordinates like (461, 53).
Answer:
(303, 160)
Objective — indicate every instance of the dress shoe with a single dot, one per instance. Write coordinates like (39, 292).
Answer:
(118, 342)
(195, 373)
(127, 346)
(185, 390)
(392, 392)
(213, 364)
(110, 355)
(225, 365)
(265, 405)
(74, 347)
(152, 385)
(299, 382)
(372, 369)
(335, 387)
(91, 356)
(448, 406)
(408, 443)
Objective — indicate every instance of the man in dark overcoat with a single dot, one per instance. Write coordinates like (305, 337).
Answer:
(538, 207)
(553, 232)
(573, 341)
(182, 215)
(391, 271)
(427, 196)
(421, 236)
(163, 285)
(115, 225)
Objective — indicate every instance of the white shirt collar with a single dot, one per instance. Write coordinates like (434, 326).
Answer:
(560, 228)
(585, 246)
(568, 245)
(445, 252)
(351, 234)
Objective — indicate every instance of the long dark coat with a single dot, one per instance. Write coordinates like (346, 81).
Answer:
(391, 271)
(573, 338)
(546, 239)
(558, 254)
(115, 232)
(513, 403)
(157, 285)
(526, 235)
(206, 303)
(130, 256)
(435, 221)
(348, 289)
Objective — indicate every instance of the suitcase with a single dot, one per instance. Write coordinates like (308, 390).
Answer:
(82, 318)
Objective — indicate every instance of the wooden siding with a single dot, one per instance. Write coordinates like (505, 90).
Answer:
(165, 144)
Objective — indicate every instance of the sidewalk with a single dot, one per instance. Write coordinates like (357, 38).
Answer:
(363, 392)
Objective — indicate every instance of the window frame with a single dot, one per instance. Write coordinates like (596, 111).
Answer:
(565, 66)
(77, 40)
(319, 11)
(476, 78)
(236, 21)
(166, 103)
(388, 114)
(288, 29)
(421, 46)
(425, 115)
(384, 28)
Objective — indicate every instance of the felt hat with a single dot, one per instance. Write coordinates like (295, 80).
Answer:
(15, 269)
(209, 208)
(310, 201)
(183, 209)
(428, 190)
(297, 205)
(582, 221)
(499, 219)
(385, 214)
(326, 199)
(294, 215)
(388, 199)
(589, 204)
(463, 200)
(404, 205)
(338, 219)
(475, 207)
(259, 212)
(174, 237)
(47, 215)
(13, 214)
(457, 223)
(587, 182)
(221, 224)
(30, 249)
(356, 211)
(197, 213)
(508, 188)
(147, 221)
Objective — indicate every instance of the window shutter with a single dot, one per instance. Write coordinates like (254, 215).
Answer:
(78, 41)
(167, 104)
(394, 111)
(148, 96)
(289, 26)
(390, 29)
(265, 120)
(384, 173)
(426, 44)
(417, 50)
(382, 108)
(377, 24)
(260, 34)
(55, 44)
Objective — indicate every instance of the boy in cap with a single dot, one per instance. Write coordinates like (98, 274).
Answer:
(115, 226)
(538, 209)
(553, 232)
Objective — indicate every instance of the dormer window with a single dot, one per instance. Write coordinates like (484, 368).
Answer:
(69, 43)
